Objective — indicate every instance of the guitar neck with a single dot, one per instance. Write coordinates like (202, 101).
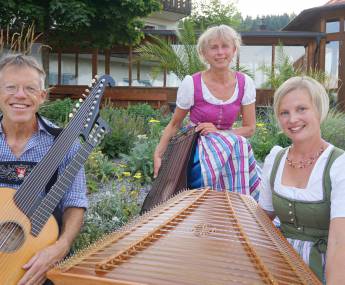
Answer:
(42, 213)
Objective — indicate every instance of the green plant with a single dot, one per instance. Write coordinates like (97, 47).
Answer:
(140, 158)
(124, 129)
(333, 128)
(144, 112)
(181, 59)
(99, 170)
(113, 210)
(267, 135)
(64, 22)
(284, 69)
(57, 110)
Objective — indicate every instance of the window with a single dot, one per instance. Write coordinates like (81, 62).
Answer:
(332, 63)
(332, 27)
(53, 69)
(119, 68)
(68, 69)
(255, 59)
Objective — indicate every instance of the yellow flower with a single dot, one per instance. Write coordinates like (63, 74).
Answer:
(126, 173)
(153, 121)
(137, 175)
(260, 125)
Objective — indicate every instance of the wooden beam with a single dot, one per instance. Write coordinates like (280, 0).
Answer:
(130, 57)
(310, 56)
(273, 59)
(138, 70)
(341, 66)
(107, 61)
(59, 67)
(94, 62)
(165, 77)
(322, 53)
(76, 66)
(341, 76)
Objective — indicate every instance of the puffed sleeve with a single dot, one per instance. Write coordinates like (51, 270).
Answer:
(338, 188)
(249, 96)
(185, 93)
(265, 198)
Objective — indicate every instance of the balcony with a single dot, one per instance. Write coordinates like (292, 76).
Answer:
(183, 7)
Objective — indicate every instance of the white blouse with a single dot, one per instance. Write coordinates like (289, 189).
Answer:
(313, 190)
(185, 93)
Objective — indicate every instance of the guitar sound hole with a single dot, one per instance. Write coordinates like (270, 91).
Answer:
(11, 236)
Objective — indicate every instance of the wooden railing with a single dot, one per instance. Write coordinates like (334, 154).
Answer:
(178, 6)
(119, 96)
(155, 96)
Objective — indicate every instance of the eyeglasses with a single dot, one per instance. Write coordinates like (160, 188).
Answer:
(12, 89)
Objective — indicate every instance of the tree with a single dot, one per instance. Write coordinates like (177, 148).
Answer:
(270, 22)
(213, 12)
(99, 23)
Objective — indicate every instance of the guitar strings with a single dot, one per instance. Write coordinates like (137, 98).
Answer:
(20, 217)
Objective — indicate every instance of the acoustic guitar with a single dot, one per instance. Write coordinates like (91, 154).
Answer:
(26, 221)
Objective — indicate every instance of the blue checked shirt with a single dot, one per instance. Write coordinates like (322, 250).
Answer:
(35, 149)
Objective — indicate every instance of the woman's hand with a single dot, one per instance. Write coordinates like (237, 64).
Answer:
(169, 131)
(157, 162)
(206, 128)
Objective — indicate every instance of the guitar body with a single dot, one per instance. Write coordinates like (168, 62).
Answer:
(21, 246)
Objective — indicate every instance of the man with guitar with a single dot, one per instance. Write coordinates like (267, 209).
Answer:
(25, 138)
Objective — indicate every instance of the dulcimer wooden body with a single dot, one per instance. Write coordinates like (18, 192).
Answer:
(197, 237)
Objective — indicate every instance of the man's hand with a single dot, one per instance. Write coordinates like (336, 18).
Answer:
(45, 259)
(206, 128)
(40, 263)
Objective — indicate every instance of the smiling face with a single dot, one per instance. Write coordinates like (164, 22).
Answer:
(219, 53)
(21, 94)
(298, 116)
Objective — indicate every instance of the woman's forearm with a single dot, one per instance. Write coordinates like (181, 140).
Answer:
(336, 252)
(168, 133)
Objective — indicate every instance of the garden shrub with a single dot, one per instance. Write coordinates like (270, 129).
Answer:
(333, 128)
(99, 170)
(267, 135)
(140, 158)
(57, 111)
(113, 210)
(124, 129)
(143, 111)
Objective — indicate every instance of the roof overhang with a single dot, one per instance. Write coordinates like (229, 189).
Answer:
(308, 15)
(285, 37)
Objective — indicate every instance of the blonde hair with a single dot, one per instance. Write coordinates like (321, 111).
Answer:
(21, 60)
(316, 91)
(222, 32)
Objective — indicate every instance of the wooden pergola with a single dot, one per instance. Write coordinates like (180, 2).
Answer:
(308, 30)
(318, 19)
(158, 96)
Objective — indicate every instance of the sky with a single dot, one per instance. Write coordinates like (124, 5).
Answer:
(255, 8)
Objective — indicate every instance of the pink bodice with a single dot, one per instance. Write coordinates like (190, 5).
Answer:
(222, 116)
